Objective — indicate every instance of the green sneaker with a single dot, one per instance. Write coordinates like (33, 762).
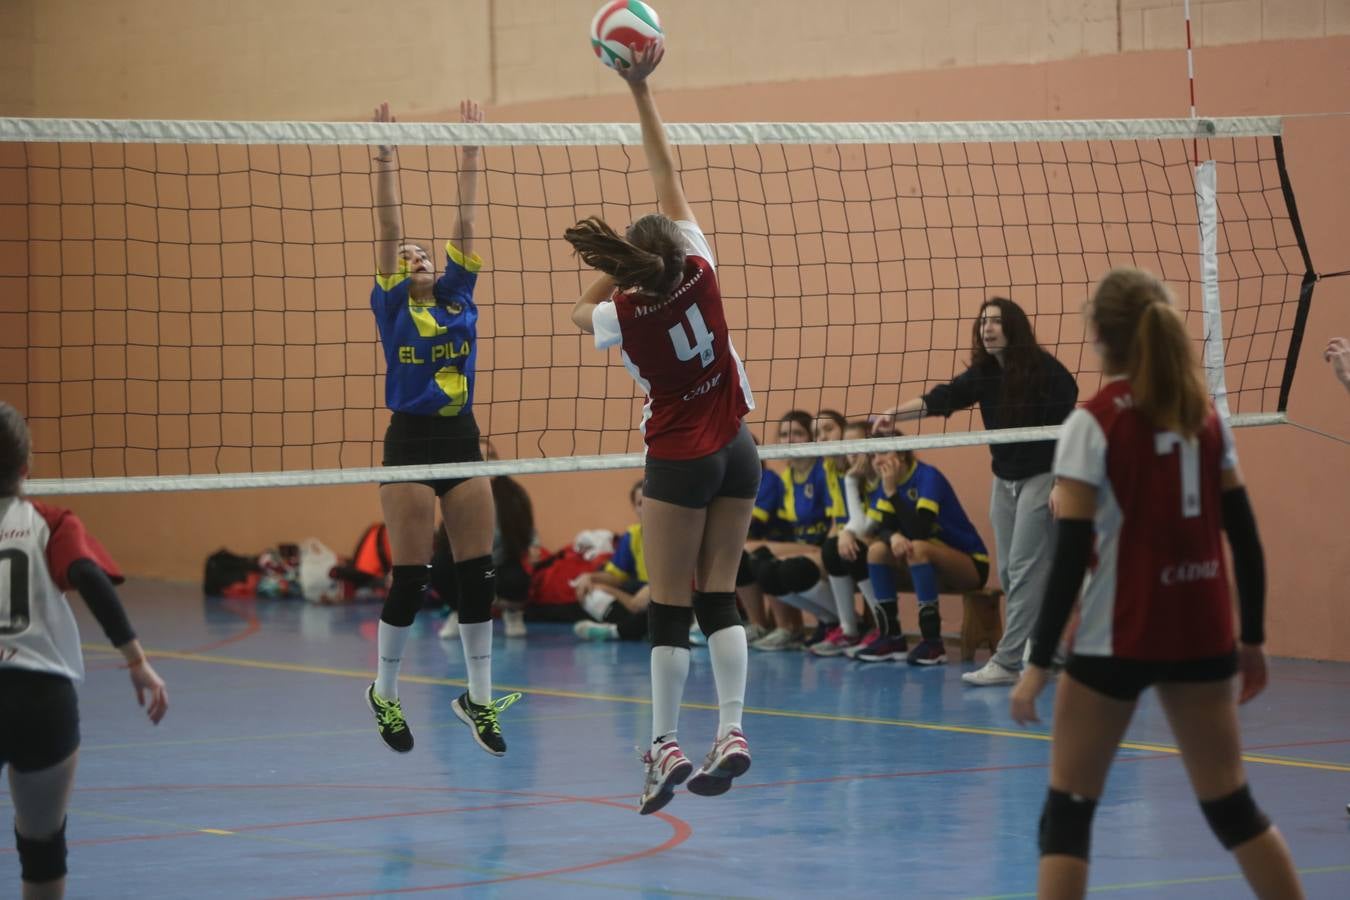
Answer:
(482, 720)
(389, 720)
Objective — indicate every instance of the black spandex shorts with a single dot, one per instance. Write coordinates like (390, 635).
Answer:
(1126, 679)
(429, 440)
(981, 569)
(733, 471)
(39, 719)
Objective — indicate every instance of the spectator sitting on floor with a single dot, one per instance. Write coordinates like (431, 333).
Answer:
(515, 551)
(615, 598)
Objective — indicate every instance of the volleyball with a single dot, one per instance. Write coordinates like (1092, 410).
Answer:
(621, 27)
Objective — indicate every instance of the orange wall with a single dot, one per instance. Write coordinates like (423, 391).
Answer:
(317, 59)
(170, 535)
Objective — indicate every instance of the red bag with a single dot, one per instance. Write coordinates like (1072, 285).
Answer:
(551, 580)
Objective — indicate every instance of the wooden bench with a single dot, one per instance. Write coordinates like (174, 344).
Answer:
(981, 621)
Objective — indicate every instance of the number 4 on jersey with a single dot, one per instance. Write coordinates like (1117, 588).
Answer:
(702, 345)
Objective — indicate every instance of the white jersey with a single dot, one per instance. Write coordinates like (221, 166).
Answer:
(38, 544)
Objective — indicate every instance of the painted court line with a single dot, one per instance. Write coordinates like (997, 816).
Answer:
(681, 831)
(448, 724)
(1176, 882)
(364, 675)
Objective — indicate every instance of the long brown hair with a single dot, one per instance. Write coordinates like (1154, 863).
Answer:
(1143, 336)
(1021, 361)
(650, 258)
(515, 516)
(15, 446)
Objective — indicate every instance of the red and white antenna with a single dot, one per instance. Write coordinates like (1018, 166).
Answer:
(1190, 75)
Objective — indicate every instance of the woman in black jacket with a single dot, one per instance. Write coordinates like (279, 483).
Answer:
(1016, 384)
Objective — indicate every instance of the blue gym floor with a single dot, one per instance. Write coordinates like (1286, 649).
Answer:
(267, 779)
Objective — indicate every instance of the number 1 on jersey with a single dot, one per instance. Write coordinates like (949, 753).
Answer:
(1164, 442)
(13, 592)
(702, 345)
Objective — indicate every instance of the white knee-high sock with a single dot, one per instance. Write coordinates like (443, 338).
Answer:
(820, 603)
(730, 658)
(391, 639)
(476, 638)
(670, 670)
(869, 596)
(842, 588)
(805, 603)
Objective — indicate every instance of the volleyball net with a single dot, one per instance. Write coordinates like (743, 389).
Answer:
(187, 304)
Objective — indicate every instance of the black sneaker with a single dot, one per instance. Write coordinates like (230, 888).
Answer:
(482, 720)
(389, 720)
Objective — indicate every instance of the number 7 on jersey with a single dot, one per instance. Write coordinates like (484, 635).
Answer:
(1167, 441)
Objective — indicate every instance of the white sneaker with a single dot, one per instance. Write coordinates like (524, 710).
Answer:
(666, 768)
(596, 631)
(991, 673)
(513, 621)
(728, 759)
(778, 639)
(754, 632)
(451, 627)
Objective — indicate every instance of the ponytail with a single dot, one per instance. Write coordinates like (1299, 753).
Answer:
(655, 269)
(1143, 337)
(1162, 372)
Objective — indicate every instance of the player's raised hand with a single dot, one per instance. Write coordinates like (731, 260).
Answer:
(645, 62)
(383, 116)
(470, 111)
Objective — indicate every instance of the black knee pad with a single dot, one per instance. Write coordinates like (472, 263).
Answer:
(405, 595)
(745, 573)
(764, 567)
(715, 612)
(1235, 819)
(829, 555)
(798, 574)
(42, 860)
(477, 589)
(669, 625)
(1066, 825)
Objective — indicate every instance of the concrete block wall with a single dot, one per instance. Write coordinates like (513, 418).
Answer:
(332, 59)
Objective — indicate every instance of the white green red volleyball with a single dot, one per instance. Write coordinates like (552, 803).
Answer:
(621, 27)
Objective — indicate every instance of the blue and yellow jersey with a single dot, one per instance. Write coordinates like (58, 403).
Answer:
(839, 504)
(805, 506)
(629, 562)
(764, 522)
(430, 346)
(925, 488)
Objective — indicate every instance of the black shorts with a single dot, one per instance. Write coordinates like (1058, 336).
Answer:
(733, 471)
(40, 715)
(430, 440)
(1126, 679)
(981, 569)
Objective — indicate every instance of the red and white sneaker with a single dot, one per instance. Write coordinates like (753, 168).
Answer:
(836, 643)
(728, 759)
(863, 643)
(667, 766)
